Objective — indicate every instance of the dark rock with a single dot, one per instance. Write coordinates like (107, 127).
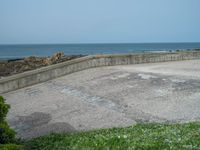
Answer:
(8, 67)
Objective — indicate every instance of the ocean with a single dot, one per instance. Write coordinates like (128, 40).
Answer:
(21, 51)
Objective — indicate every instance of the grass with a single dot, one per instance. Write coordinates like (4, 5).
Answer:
(140, 136)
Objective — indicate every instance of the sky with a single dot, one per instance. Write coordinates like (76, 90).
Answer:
(99, 21)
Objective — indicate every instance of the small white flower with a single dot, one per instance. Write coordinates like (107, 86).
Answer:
(125, 136)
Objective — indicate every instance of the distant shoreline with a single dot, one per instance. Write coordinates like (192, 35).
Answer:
(95, 43)
(22, 58)
(7, 59)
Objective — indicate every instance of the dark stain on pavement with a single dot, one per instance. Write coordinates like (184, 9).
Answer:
(37, 124)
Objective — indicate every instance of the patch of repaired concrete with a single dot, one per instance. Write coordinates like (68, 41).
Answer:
(94, 100)
(146, 76)
(33, 92)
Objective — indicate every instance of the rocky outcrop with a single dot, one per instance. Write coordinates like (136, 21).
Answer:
(53, 59)
(30, 63)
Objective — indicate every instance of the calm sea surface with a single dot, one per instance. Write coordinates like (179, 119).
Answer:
(19, 51)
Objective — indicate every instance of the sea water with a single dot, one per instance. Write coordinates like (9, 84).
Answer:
(20, 50)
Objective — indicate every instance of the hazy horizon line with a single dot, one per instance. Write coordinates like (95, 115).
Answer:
(83, 43)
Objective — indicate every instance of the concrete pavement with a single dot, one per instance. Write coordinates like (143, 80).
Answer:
(107, 97)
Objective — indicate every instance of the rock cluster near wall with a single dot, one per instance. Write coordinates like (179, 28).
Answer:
(11, 67)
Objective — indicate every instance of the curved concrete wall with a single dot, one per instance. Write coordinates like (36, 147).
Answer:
(25, 79)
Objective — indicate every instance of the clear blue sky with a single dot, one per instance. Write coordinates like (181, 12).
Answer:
(99, 21)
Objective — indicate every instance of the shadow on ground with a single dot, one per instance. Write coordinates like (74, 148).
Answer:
(38, 124)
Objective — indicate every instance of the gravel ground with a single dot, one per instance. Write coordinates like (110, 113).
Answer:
(107, 97)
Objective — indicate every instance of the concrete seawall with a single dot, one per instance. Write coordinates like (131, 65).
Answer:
(25, 79)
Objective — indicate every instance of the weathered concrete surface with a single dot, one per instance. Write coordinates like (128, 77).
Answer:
(108, 97)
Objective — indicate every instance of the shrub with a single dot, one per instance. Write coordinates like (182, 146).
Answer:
(3, 109)
(11, 147)
(7, 135)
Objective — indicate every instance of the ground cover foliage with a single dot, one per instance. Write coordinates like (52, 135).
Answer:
(140, 136)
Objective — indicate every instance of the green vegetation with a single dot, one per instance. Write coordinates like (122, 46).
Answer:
(11, 147)
(7, 135)
(140, 136)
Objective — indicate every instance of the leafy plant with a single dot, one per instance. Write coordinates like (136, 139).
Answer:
(3, 109)
(7, 135)
(11, 147)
